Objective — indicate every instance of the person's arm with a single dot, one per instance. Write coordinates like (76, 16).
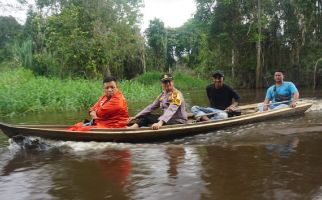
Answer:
(296, 97)
(153, 106)
(265, 104)
(93, 110)
(268, 97)
(208, 94)
(295, 93)
(232, 107)
(170, 111)
(113, 107)
(235, 101)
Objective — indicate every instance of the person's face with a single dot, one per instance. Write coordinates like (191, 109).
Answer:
(278, 77)
(167, 85)
(110, 88)
(218, 81)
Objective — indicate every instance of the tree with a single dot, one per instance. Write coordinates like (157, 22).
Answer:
(10, 31)
(157, 40)
(88, 38)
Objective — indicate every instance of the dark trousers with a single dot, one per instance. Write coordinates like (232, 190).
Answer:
(151, 119)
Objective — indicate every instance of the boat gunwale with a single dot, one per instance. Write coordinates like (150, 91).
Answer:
(169, 128)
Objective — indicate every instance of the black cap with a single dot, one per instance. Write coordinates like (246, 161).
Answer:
(166, 77)
(218, 73)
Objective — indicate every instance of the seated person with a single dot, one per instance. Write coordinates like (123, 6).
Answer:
(110, 111)
(222, 99)
(171, 102)
(282, 91)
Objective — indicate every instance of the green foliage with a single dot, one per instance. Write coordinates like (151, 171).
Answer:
(21, 91)
(22, 54)
(157, 40)
(186, 82)
(86, 38)
(182, 80)
(288, 31)
(10, 30)
(91, 39)
(149, 78)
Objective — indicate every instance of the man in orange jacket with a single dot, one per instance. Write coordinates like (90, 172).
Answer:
(110, 111)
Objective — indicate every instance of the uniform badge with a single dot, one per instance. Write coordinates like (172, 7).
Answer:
(175, 98)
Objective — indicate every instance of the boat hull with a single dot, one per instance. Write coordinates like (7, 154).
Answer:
(59, 132)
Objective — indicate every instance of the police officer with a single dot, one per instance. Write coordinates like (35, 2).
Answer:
(171, 102)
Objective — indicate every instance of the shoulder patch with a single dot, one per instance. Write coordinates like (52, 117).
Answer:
(175, 98)
(160, 97)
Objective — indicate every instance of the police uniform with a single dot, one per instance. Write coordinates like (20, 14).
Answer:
(171, 103)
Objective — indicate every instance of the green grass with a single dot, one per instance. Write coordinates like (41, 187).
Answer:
(21, 91)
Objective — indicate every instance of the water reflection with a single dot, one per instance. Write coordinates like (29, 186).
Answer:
(255, 172)
(116, 167)
(99, 176)
(172, 172)
(283, 150)
(175, 156)
(25, 174)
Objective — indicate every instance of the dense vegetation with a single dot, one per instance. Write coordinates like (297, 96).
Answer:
(21, 91)
(93, 38)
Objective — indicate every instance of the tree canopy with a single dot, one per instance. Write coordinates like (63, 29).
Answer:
(94, 38)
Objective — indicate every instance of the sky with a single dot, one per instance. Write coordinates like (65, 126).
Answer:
(173, 13)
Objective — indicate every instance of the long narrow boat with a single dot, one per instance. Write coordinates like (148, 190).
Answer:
(58, 132)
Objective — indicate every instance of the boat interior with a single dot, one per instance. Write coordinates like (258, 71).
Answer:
(242, 111)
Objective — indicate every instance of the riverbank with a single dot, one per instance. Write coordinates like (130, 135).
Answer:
(22, 92)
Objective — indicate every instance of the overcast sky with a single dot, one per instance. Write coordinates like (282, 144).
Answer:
(172, 12)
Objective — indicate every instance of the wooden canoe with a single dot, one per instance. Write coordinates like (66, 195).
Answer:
(59, 132)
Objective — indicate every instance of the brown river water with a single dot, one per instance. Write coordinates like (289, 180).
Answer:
(277, 159)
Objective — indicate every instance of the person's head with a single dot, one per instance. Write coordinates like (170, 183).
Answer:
(279, 76)
(167, 82)
(110, 86)
(218, 78)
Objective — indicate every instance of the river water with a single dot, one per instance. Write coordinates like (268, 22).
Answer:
(277, 159)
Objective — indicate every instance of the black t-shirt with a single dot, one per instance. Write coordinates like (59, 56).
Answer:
(221, 98)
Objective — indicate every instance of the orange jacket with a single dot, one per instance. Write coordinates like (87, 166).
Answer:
(111, 113)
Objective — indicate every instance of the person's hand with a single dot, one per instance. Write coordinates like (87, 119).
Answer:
(93, 114)
(131, 119)
(156, 126)
(231, 108)
(265, 107)
(293, 104)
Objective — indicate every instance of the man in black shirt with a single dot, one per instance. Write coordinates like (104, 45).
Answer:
(222, 99)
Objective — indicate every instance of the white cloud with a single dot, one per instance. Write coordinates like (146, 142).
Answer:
(172, 12)
(15, 9)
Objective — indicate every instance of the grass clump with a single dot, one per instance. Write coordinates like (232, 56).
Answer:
(21, 91)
